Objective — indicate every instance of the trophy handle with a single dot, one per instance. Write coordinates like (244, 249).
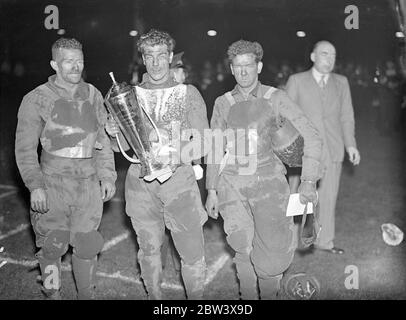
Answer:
(132, 160)
(150, 119)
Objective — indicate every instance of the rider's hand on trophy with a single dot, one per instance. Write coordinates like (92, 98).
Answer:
(153, 138)
(168, 156)
(174, 160)
(112, 127)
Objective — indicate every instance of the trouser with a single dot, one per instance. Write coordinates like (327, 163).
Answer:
(168, 247)
(328, 191)
(176, 204)
(75, 211)
(254, 213)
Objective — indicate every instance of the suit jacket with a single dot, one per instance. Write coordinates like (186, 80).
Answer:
(330, 109)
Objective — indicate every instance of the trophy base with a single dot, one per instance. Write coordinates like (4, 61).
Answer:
(161, 175)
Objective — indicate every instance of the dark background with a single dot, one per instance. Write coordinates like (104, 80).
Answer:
(103, 27)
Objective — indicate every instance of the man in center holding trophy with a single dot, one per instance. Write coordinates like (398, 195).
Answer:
(168, 196)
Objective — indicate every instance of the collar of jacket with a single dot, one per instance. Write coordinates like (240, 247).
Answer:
(254, 92)
(317, 75)
(81, 93)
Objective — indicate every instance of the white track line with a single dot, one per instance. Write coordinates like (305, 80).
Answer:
(30, 263)
(119, 276)
(108, 245)
(67, 267)
(7, 186)
(213, 269)
(6, 194)
(24, 263)
(211, 273)
(173, 286)
(111, 243)
(20, 228)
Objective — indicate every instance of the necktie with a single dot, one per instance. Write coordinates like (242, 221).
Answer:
(322, 82)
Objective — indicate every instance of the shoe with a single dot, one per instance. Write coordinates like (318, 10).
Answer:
(333, 250)
(87, 293)
(51, 294)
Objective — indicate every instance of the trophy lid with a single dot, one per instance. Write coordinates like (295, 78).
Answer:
(118, 87)
(177, 61)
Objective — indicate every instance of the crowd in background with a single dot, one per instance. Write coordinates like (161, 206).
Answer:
(378, 93)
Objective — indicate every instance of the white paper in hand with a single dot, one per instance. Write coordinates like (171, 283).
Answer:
(296, 208)
(198, 171)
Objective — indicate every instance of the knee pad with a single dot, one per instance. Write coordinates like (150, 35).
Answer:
(88, 245)
(55, 244)
(272, 266)
(241, 242)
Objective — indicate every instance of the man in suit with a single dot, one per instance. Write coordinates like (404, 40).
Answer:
(325, 98)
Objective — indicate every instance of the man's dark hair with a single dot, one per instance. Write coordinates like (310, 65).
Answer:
(65, 43)
(244, 47)
(155, 38)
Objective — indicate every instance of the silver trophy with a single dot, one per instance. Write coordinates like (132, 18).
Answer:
(122, 104)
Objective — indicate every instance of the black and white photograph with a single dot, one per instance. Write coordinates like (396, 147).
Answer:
(225, 151)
